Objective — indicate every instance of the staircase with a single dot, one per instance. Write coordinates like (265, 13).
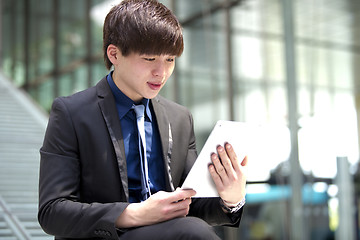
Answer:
(22, 128)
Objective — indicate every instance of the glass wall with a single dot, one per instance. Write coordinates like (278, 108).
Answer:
(235, 66)
(52, 50)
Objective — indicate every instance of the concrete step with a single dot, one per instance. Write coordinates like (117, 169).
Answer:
(22, 128)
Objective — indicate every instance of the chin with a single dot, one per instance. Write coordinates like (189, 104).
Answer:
(151, 95)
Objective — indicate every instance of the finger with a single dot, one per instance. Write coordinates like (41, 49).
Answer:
(244, 161)
(183, 203)
(177, 213)
(182, 210)
(232, 156)
(226, 162)
(181, 194)
(216, 178)
(181, 207)
(189, 192)
(219, 167)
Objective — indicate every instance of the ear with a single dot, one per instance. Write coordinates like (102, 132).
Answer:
(113, 53)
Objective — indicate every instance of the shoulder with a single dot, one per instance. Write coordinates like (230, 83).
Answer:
(171, 106)
(82, 99)
(75, 101)
(177, 115)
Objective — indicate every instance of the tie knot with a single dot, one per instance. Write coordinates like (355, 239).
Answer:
(139, 110)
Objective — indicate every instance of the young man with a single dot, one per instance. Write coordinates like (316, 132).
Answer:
(95, 181)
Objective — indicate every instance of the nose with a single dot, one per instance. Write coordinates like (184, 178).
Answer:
(159, 70)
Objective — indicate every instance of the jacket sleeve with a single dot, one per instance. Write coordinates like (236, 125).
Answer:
(209, 209)
(61, 211)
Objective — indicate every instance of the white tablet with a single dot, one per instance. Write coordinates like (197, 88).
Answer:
(238, 134)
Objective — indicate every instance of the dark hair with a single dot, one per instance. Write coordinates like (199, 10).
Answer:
(144, 27)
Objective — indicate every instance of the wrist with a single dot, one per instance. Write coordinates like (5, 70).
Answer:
(129, 217)
(228, 207)
(231, 205)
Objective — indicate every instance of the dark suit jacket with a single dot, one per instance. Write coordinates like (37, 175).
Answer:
(83, 185)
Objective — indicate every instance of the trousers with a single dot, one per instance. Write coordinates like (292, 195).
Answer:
(186, 228)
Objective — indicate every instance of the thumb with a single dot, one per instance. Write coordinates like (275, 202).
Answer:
(244, 161)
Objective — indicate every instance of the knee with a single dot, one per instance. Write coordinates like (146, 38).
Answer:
(192, 228)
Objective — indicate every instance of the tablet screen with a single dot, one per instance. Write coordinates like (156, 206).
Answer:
(240, 135)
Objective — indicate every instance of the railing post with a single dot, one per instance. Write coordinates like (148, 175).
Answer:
(297, 229)
(346, 228)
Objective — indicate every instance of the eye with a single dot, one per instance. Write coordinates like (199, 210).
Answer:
(170, 59)
(149, 59)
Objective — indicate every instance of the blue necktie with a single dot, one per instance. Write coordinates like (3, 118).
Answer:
(145, 182)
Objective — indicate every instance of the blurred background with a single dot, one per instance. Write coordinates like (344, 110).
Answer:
(288, 67)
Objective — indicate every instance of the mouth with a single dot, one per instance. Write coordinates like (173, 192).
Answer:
(155, 86)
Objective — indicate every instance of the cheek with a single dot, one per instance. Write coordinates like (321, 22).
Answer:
(170, 71)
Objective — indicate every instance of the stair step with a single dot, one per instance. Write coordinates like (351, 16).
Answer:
(22, 129)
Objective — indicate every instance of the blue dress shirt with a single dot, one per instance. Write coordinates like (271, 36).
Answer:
(130, 135)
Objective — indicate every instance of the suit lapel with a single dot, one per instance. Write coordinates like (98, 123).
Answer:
(166, 139)
(108, 110)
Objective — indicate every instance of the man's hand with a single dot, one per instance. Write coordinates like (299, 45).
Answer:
(160, 207)
(229, 174)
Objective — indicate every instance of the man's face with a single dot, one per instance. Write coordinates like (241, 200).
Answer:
(142, 76)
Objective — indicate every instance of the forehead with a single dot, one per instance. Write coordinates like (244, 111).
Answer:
(152, 55)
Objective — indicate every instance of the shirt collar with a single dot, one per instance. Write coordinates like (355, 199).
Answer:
(145, 102)
(123, 102)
